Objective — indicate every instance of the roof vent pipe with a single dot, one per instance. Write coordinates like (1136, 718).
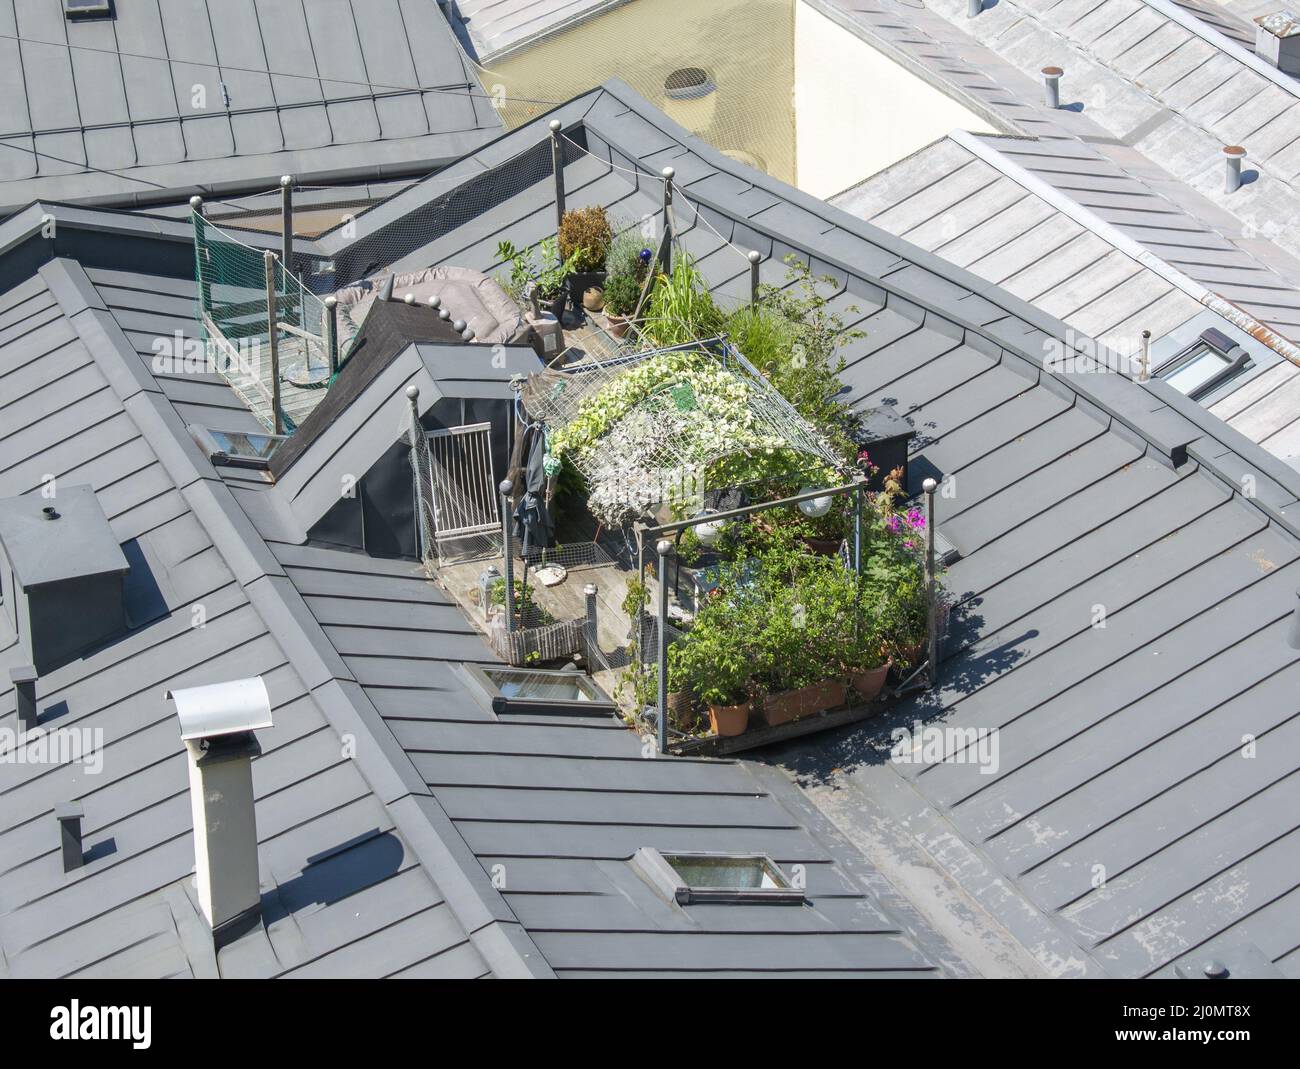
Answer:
(1232, 157)
(386, 291)
(1277, 41)
(1052, 86)
(24, 681)
(973, 8)
(69, 816)
(217, 724)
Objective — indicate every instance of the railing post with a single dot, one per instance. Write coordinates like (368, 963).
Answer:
(589, 591)
(931, 609)
(557, 168)
(272, 333)
(668, 174)
(286, 222)
(508, 552)
(754, 257)
(857, 529)
(332, 333)
(413, 397)
(664, 548)
(1144, 364)
(201, 255)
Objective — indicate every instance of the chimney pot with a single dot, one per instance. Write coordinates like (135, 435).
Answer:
(69, 816)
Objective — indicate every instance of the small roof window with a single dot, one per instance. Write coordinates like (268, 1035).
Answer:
(1205, 365)
(87, 9)
(239, 449)
(690, 877)
(536, 690)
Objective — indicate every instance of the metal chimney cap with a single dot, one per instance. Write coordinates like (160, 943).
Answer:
(69, 810)
(222, 708)
(1052, 72)
(1233, 150)
(23, 673)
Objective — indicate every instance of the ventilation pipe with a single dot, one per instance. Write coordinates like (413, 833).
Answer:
(217, 724)
(973, 8)
(1052, 86)
(1232, 157)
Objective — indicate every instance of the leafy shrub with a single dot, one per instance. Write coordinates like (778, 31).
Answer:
(621, 294)
(540, 264)
(585, 236)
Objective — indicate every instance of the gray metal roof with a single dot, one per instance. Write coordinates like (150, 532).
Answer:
(492, 28)
(48, 541)
(1118, 745)
(196, 96)
(1072, 219)
(345, 892)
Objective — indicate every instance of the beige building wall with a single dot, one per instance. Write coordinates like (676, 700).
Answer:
(797, 95)
(858, 110)
(744, 44)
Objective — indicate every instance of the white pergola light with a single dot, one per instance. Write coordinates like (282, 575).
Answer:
(710, 531)
(814, 507)
(222, 708)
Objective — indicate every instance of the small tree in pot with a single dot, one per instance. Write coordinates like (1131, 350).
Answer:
(584, 239)
(714, 665)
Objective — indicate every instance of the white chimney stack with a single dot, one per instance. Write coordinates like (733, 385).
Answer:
(217, 725)
(1277, 40)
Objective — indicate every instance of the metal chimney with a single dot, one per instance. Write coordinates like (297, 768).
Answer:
(217, 724)
(1277, 41)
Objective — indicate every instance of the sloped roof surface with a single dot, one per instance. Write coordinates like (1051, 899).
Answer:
(343, 892)
(1119, 745)
(978, 200)
(496, 26)
(195, 95)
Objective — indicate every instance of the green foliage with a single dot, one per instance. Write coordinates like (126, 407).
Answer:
(584, 237)
(540, 264)
(792, 336)
(629, 256)
(681, 309)
(621, 294)
(527, 612)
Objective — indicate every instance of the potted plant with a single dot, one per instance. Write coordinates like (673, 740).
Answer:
(540, 265)
(713, 665)
(584, 238)
(621, 295)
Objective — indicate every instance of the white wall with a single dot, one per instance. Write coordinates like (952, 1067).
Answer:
(857, 110)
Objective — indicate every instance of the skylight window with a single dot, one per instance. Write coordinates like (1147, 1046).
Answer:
(690, 878)
(535, 690)
(74, 9)
(241, 449)
(1205, 365)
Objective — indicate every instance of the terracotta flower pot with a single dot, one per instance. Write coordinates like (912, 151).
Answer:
(792, 705)
(823, 547)
(681, 711)
(618, 325)
(729, 720)
(869, 684)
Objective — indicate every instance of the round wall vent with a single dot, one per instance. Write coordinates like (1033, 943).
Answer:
(688, 83)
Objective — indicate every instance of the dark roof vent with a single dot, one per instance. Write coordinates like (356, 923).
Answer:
(87, 9)
(61, 572)
(688, 83)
